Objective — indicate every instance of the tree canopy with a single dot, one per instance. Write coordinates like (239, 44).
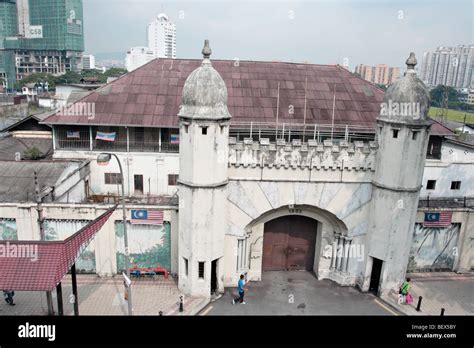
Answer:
(70, 77)
(437, 95)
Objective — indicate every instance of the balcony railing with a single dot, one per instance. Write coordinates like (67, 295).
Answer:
(290, 131)
(115, 146)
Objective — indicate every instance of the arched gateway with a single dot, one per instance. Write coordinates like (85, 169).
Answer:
(300, 237)
(289, 243)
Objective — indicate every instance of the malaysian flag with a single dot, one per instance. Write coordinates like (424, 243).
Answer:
(71, 134)
(174, 139)
(105, 136)
(147, 217)
(438, 219)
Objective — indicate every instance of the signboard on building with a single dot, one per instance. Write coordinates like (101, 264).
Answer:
(36, 32)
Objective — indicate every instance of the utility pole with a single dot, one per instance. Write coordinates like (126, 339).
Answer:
(39, 208)
(445, 104)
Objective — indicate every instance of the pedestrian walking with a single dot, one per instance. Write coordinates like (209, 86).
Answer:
(9, 297)
(404, 292)
(240, 286)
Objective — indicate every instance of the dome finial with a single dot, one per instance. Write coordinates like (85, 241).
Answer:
(206, 51)
(411, 61)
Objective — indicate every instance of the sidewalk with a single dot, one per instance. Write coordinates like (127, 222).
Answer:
(448, 290)
(104, 296)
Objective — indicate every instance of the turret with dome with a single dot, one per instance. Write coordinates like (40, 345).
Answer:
(204, 122)
(204, 92)
(408, 99)
(402, 138)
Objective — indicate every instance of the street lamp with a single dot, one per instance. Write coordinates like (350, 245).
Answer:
(103, 159)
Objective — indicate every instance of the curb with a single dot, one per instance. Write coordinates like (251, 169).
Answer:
(392, 306)
(199, 308)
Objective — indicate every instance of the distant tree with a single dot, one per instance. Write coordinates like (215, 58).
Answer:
(37, 78)
(115, 72)
(437, 95)
(461, 106)
(33, 154)
(69, 77)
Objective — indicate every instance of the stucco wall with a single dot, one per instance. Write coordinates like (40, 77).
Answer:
(341, 207)
(155, 168)
(456, 164)
(104, 244)
(462, 252)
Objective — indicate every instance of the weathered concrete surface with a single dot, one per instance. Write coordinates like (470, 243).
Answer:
(348, 162)
(451, 291)
(104, 296)
(341, 208)
(297, 293)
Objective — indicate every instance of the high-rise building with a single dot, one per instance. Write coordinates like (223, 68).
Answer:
(449, 66)
(380, 74)
(8, 28)
(88, 62)
(138, 56)
(44, 36)
(162, 37)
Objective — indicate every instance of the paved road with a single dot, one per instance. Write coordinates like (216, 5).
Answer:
(448, 290)
(104, 296)
(298, 293)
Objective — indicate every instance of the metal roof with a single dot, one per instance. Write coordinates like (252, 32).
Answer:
(41, 265)
(150, 96)
(17, 178)
(10, 146)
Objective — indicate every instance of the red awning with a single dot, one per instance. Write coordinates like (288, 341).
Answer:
(40, 265)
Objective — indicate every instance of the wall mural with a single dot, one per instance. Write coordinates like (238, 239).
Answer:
(62, 229)
(8, 229)
(434, 248)
(149, 245)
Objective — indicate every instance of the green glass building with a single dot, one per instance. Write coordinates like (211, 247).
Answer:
(40, 36)
(8, 27)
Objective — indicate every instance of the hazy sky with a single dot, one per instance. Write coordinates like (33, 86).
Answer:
(322, 32)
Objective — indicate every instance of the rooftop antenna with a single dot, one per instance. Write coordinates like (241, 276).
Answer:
(333, 110)
(304, 112)
(278, 109)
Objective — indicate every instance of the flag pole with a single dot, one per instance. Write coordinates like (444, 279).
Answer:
(304, 112)
(333, 109)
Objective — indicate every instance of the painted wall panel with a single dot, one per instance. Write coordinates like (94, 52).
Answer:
(434, 248)
(149, 245)
(62, 229)
(8, 229)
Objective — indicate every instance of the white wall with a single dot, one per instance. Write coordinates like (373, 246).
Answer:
(155, 168)
(138, 56)
(103, 244)
(456, 164)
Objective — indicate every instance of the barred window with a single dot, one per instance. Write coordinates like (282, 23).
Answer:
(201, 270)
(242, 259)
(112, 178)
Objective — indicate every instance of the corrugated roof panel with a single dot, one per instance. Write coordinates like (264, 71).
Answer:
(157, 88)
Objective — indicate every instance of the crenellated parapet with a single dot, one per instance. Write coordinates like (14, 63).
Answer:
(357, 155)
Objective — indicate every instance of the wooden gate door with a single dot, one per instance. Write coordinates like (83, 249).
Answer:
(289, 243)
